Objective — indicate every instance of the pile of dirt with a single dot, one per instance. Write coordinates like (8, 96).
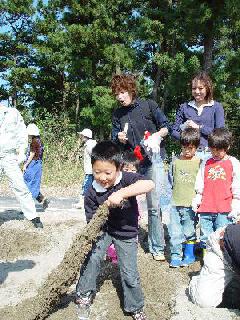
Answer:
(159, 284)
(20, 243)
(60, 279)
(39, 263)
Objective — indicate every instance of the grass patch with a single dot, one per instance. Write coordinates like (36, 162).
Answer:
(62, 174)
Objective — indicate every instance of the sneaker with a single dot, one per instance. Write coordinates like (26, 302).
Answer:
(175, 263)
(37, 223)
(45, 203)
(83, 306)
(139, 315)
(84, 300)
(159, 257)
(40, 198)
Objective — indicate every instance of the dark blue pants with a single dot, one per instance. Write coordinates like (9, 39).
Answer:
(32, 177)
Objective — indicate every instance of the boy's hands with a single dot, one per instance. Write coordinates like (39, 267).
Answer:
(120, 197)
(115, 200)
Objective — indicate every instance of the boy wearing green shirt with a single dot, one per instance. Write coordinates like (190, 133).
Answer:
(183, 172)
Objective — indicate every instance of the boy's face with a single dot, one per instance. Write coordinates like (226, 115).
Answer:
(124, 97)
(218, 154)
(105, 173)
(129, 167)
(189, 151)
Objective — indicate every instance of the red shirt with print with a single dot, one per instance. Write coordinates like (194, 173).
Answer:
(217, 191)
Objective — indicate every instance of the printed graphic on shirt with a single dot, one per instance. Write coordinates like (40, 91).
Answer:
(216, 173)
(186, 176)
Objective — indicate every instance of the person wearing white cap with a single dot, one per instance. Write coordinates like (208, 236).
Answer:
(13, 143)
(33, 166)
(87, 165)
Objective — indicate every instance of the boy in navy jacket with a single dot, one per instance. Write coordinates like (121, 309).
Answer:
(118, 190)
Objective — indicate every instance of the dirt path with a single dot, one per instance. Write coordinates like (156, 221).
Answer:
(28, 255)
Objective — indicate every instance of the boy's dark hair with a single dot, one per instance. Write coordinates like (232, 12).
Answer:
(130, 158)
(220, 138)
(126, 82)
(190, 136)
(107, 151)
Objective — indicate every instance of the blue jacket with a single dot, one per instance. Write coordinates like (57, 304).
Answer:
(211, 117)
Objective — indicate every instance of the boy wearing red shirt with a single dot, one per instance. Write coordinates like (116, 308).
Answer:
(217, 185)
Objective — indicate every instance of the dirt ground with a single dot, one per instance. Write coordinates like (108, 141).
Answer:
(28, 255)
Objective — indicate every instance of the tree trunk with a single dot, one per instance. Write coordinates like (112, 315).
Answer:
(77, 111)
(208, 43)
(157, 93)
(64, 92)
(14, 93)
(156, 83)
(208, 51)
(14, 100)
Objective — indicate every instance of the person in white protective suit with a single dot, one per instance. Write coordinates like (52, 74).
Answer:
(13, 144)
(221, 269)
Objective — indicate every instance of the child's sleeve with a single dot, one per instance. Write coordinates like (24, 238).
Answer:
(199, 185)
(235, 213)
(90, 206)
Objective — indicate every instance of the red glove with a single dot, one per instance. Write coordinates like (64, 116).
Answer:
(138, 153)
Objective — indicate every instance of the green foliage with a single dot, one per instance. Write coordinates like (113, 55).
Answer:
(15, 46)
(62, 152)
(99, 113)
(57, 58)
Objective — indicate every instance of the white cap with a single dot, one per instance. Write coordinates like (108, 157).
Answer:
(33, 130)
(86, 133)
